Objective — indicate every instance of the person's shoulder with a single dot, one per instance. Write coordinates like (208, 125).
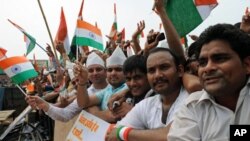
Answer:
(194, 97)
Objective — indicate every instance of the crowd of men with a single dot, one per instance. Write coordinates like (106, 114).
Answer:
(159, 93)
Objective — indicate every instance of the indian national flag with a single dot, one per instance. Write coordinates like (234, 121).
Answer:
(30, 43)
(123, 34)
(73, 47)
(188, 14)
(114, 27)
(88, 35)
(18, 68)
(62, 33)
(2, 53)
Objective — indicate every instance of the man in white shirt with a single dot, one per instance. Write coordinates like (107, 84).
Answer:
(164, 74)
(224, 68)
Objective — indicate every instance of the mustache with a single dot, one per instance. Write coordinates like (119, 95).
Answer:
(211, 75)
(160, 80)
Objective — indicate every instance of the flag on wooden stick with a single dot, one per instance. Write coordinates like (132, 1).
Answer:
(29, 40)
(88, 35)
(62, 33)
(114, 28)
(18, 68)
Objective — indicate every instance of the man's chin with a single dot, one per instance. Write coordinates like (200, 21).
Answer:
(136, 94)
(213, 90)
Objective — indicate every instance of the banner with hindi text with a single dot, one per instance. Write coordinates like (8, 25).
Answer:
(88, 128)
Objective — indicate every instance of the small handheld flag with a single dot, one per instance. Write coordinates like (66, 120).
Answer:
(18, 68)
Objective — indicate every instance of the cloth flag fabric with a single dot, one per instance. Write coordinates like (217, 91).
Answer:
(2, 53)
(30, 41)
(18, 68)
(188, 14)
(205, 2)
(88, 35)
(114, 27)
(62, 33)
(123, 34)
(73, 48)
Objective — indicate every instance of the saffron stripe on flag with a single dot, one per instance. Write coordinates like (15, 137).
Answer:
(85, 25)
(19, 78)
(205, 2)
(13, 60)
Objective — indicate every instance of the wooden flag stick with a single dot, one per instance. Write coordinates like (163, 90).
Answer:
(46, 23)
(21, 90)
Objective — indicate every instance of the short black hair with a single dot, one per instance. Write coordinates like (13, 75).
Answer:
(238, 40)
(135, 62)
(192, 49)
(160, 49)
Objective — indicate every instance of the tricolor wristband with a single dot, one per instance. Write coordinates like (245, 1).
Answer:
(122, 133)
(118, 132)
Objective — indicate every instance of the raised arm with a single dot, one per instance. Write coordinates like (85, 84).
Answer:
(83, 99)
(170, 31)
(135, 40)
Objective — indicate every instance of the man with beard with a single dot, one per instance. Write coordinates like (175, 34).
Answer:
(224, 67)
(164, 74)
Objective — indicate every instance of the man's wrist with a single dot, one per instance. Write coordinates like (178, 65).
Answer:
(122, 133)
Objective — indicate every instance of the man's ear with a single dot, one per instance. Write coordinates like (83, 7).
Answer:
(180, 70)
(246, 63)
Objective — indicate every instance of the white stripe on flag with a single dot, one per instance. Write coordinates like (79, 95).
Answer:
(205, 10)
(88, 34)
(18, 68)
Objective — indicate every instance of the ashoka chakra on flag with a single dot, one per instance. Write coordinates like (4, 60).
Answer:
(18, 68)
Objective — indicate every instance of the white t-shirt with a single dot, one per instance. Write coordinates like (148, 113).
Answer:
(147, 114)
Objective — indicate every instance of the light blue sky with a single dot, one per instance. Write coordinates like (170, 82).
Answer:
(27, 14)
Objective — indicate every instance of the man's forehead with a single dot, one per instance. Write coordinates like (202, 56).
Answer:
(160, 55)
(160, 61)
(215, 48)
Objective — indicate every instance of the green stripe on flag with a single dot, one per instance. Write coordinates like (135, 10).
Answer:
(32, 43)
(82, 41)
(21, 77)
(1, 72)
(184, 15)
(115, 25)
